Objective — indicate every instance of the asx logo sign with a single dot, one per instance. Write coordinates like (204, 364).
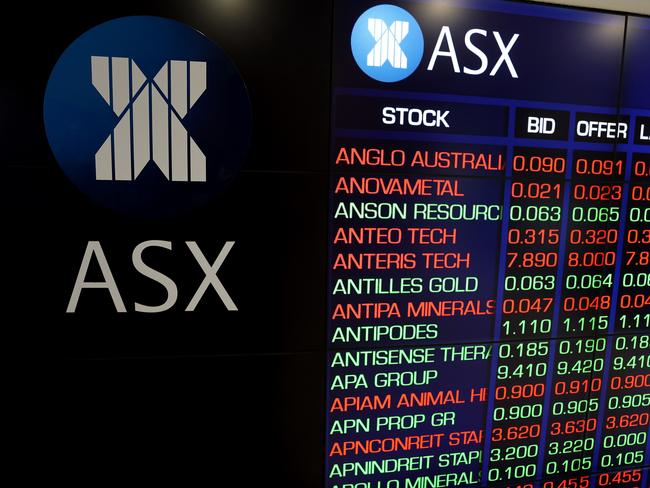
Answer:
(388, 45)
(150, 115)
(95, 252)
(147, 116)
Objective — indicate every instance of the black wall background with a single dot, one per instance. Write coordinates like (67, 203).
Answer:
(174, 397)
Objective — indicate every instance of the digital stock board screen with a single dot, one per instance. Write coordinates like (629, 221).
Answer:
(489, 247)
(329, 243)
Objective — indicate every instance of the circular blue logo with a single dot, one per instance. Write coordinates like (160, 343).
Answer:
(387, 43)
(147, 116)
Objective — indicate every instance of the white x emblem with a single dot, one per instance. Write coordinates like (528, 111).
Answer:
(150, 114)
(387, 43)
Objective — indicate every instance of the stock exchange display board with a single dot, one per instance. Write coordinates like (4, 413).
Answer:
(489, 233)
(328, 243)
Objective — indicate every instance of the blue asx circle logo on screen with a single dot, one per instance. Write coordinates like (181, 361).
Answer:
(147, 116)
(387, 43)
